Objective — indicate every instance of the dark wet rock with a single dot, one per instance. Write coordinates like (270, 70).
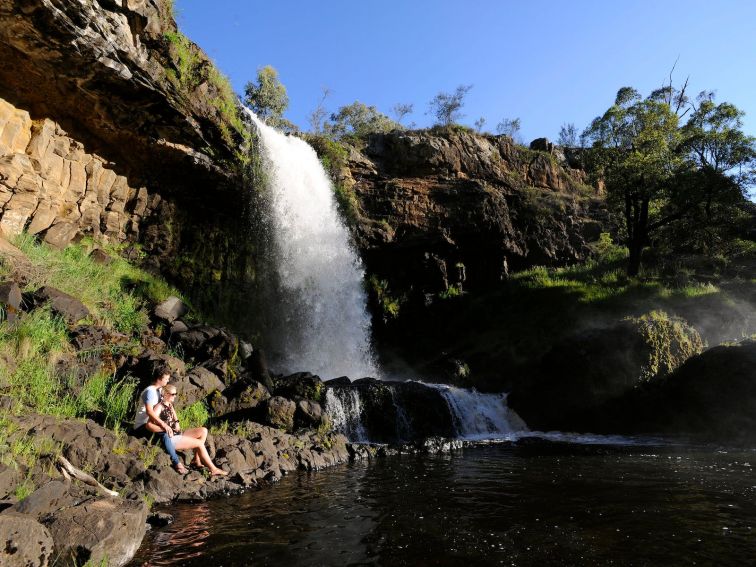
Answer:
(400, 411)
(340, 381)
(308, 414)
(204, 343)
(171, 309)
(10, 301)
(99, 256)
(24, 542)
(300, 385)
(178, 326)
(66, 306)
(711, 397)
(279, 412)
(242, 400)
(258, 367)
(593, 367)
(159, 519)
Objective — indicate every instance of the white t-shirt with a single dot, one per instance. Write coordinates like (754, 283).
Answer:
(149, 396)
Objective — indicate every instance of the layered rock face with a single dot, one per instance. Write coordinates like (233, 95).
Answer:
(104, 131)
(49, 185)
(456, 208)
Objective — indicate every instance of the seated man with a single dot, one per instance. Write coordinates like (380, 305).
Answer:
(193, 438)
(147, 421)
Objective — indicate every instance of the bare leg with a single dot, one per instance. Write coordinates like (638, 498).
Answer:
(201, 434)
(186, 442)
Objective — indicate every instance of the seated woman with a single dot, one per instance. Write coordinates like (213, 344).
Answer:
(193, 438)
(148, 423)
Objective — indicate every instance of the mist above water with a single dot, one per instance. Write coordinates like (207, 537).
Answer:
(316, 316)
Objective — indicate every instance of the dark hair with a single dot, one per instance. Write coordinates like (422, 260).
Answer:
(161, 371)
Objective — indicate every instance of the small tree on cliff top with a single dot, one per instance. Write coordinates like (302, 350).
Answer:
(358, 119)
(267, 96)
(446, 107)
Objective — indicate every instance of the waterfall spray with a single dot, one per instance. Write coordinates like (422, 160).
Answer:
(317, 318)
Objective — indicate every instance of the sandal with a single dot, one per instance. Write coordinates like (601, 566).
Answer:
(180, 468)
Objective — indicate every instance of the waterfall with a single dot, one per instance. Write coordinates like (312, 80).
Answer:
(344, 407)
(480, 416)
(317, 319)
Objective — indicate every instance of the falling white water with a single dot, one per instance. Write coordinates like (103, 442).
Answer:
(345, 410)
(320, 323)
(480, 416)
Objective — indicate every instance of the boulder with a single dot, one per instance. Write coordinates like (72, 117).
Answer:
(308, 414)
(542, 145)
(240, 400)
(197, 385)
(24, 542)
(10, 300)
(99, 256)
(99, 530)
(592, 367)
(9, 479)
(279, 412)
(300, 385)
(66, 306)
(171, 309)
(204, 342)
(711, 397)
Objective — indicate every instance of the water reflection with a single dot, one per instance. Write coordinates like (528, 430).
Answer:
(505, 504)
(184, 541)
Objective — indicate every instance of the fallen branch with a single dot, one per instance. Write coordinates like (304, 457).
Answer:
(69, 471)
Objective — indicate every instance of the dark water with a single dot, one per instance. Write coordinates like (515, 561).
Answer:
(533, 503)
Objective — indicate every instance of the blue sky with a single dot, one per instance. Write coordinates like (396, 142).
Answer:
(547, 63)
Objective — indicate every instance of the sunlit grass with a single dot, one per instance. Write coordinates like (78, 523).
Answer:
(116, 294)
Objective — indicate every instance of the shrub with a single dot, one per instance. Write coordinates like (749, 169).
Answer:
(195, 415)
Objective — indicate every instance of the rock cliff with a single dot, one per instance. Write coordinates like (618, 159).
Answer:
(449, 207)
(113, 124)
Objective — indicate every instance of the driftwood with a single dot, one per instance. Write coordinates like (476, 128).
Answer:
(68, 471)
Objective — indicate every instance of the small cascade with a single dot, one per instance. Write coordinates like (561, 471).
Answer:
(394, 412)
(344, 407)
(480, 416)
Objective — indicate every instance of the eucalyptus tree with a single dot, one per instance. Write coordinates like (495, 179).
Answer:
(358, 119)
(447, 107)
(659, 172)
(267, 96)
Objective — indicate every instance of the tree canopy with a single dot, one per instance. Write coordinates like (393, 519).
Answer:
(267, 96)
(358, 119)
(660, 173)
(447, 107)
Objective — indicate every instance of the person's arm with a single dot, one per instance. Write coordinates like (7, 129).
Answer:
(175, 416)
(155, 417)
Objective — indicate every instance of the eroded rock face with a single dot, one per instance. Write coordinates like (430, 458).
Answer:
(99, 136)
(460, 209)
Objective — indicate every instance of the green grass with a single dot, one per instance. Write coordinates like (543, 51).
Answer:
(117, 295)
(195, 415)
